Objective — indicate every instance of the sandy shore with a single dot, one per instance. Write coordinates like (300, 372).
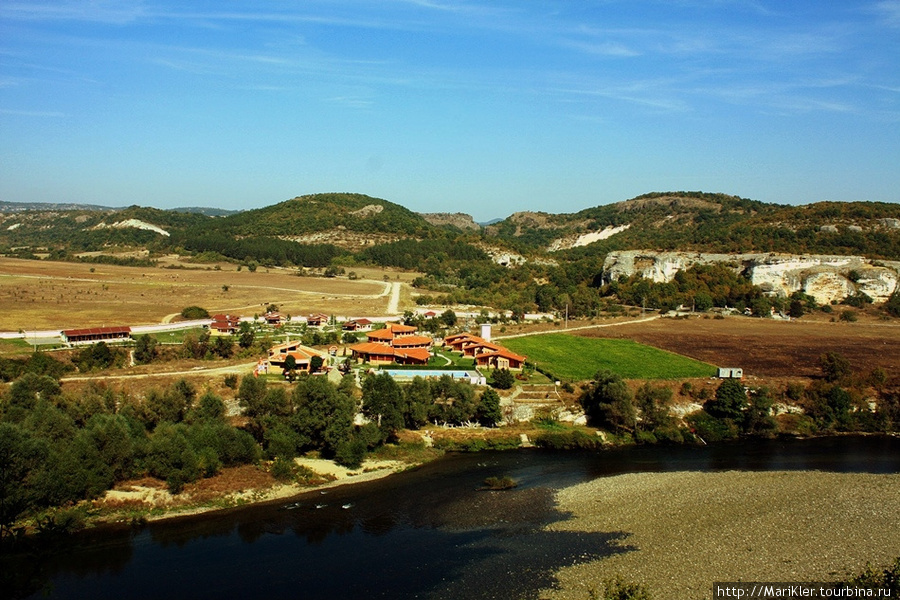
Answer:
(689, 529)
(177, 506)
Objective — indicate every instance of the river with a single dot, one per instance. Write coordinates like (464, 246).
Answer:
(426, 533)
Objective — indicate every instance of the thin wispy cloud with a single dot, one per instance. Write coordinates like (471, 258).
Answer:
(42, 114)
(356, 102)
(614, 49)
(889, 12)
(100, 11)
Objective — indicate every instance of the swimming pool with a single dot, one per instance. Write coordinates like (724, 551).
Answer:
(410, 373)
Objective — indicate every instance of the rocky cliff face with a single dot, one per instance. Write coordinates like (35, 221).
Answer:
(460, 220)
(825, 278)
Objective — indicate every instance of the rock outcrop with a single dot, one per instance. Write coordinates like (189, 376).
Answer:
(825, 278)
(136, 224)
(576, 240)
(460, 220)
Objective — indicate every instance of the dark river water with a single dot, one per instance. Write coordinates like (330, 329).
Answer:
(425, 533)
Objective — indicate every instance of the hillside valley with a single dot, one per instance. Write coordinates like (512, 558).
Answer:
(529, 261)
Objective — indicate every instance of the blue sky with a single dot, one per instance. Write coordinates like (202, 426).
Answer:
(485, 107)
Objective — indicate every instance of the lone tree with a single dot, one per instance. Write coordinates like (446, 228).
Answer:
(835, 366)
(383, 403)
(290, 368)
(503, 379)
(654, 403)
(892, 306)
(729, 402)
(194, 312)
(488, 413)
(609, 403)
(246, 336)
(448, 318)
(145, 350)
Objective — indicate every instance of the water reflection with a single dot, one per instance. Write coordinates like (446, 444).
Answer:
(424, 533)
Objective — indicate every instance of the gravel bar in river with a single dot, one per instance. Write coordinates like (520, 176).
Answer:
(687, 530)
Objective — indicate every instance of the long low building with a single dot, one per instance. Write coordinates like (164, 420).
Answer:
(378, 353)
(95, 334)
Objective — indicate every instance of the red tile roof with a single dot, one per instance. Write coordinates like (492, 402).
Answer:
(373, 348)
(419, 354)
(411, 340)
(97, 331)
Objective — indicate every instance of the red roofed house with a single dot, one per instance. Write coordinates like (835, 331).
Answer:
(456, 342)
(302, 355)
(373, 352)
(394, 344)
(477, 347)
(500, 359)
(95, 334)
(225, 324)
(317, 320)
(470, 345)
(377, 353)
(358, 325)
(273, 318)
(412, 356)
(413, 341)
(391, 331)
(486, 354)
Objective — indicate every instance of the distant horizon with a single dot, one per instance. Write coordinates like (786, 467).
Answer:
(482, 222)
(486, 108)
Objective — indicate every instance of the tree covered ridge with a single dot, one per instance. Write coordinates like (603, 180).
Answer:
(324, 212)
(700, 221)
(711, 222)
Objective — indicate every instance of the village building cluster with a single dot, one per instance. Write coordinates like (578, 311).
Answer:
(393, 344)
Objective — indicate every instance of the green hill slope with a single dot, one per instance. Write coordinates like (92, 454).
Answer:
(326, 212)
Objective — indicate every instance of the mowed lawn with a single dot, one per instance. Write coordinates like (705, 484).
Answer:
(577, 358)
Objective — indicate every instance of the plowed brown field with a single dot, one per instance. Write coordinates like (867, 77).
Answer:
(767, 348)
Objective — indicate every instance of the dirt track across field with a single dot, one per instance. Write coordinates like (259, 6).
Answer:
(767, 348)
(37, 294)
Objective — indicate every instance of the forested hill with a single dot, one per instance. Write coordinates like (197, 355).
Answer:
(314, 230)
(327, 212)
(707, 222)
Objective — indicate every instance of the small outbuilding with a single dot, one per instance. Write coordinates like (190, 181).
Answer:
(730, 373)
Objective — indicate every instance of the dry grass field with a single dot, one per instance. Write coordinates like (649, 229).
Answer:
(767, 348)
(37, 295)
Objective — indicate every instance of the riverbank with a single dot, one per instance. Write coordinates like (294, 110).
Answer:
(152, 502)
(686, 530)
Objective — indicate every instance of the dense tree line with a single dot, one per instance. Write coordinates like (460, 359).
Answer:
(39, 363)
(840, 401)
(266, 250)
(58, 448)
(701, 287)
(316, 414)
(427, 255)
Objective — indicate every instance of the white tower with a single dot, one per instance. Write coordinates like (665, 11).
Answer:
(486, 331)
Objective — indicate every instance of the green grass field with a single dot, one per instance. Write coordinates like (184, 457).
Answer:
(578, 358)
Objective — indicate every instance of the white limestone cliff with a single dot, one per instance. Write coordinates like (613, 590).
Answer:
(824, 277)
